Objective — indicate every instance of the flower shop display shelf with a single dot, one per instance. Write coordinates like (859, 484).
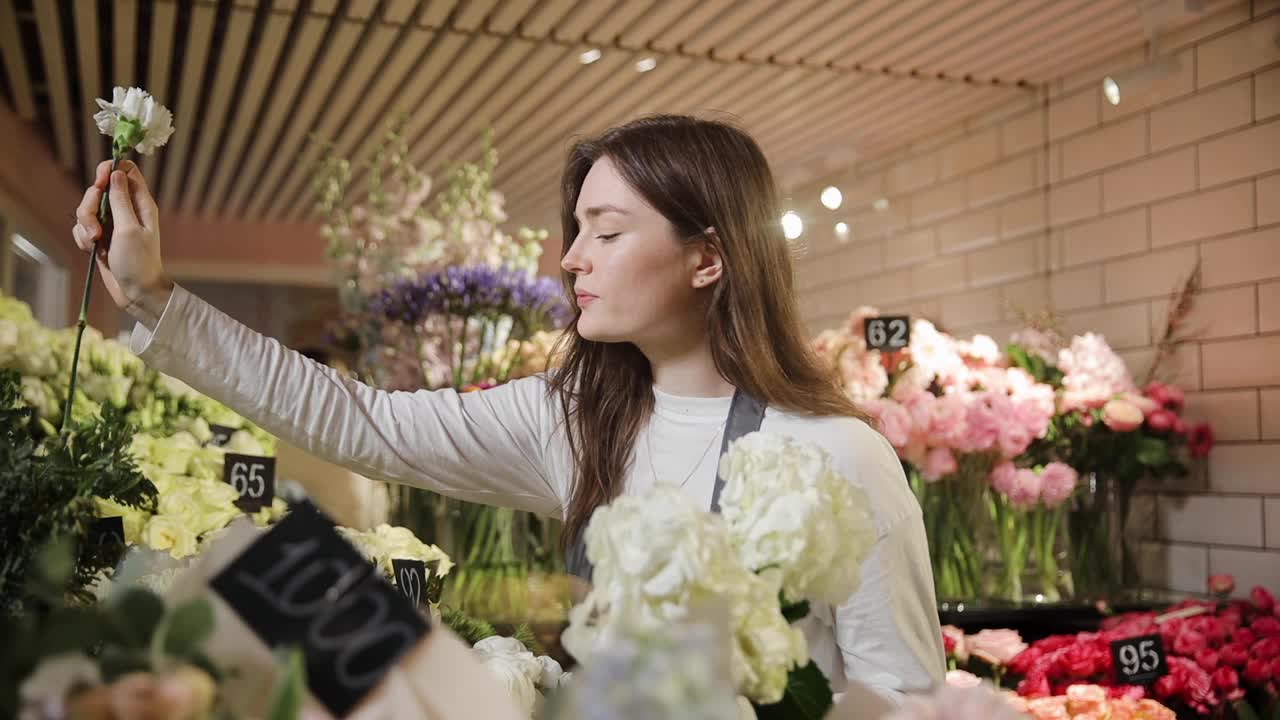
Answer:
(1035, 620)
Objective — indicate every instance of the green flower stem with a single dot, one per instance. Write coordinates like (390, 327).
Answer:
(103, 212)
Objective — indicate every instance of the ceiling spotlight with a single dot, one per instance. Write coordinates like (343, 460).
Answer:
(831, 197)
(646, 65)
(842, 231)
(1132, 83)
(881, 205)
(792, 225)
(590, 56)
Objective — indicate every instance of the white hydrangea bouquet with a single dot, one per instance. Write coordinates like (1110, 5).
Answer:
(791, 530)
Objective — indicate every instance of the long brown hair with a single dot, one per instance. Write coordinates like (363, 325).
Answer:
(699, 174)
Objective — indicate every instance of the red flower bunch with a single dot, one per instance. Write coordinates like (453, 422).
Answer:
(1162, 409)
(1215, 656)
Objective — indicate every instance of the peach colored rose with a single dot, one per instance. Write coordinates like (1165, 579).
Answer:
(962, 679)
(1121, 416)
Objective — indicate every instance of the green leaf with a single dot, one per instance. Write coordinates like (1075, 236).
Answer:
(69, 629)
(186, 630)
(1152, 451)
(808, 696)
(137, 613)
(291, 690)
(116, 661)
(1244, 711)
(795, 611)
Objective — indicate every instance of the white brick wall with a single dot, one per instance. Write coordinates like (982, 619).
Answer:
(1097, 213)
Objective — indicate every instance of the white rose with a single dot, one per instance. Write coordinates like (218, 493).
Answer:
(514, 666)
(552, 674)
(167, 533)
(510, 675)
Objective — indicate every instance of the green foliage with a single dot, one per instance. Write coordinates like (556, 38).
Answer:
(47, 486)
(808, 695)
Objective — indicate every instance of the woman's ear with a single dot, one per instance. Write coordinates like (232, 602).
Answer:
(710, 264)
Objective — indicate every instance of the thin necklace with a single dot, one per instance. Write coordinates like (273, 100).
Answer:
(648, 440)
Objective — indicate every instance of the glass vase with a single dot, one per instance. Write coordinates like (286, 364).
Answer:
(1102, 563)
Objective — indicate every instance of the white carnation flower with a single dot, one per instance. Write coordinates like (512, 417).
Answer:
(135, 120)
(786, 508)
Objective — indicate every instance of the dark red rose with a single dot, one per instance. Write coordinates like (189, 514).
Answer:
(1207, 658)
(1265, 649)
(1081, 661)
(1170, 685)
(1235, 655)
(1212, 627)
(1266, 627)
(1275, 671)
(1244, 636)
(1257, 672)
(1054, 642)
(1200, 440)
(1036, 684)
(1022, 663)
(1188, 642)
(1262, 599)
(948, 643)
(1226, 679)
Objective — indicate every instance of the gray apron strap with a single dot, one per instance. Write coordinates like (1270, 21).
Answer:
(745, 416)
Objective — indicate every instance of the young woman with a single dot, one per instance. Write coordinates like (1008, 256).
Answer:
(686, 333)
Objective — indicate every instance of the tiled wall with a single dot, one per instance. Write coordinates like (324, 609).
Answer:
(1098, 212)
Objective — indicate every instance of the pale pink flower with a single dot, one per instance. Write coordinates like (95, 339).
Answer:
(1026, 489)
(911, 381)
(982, 426)
(1121, 416)
(996, 647)
(935, 352)
(983, 349)
(863, 376)
(957, 703)
(920, 405)
(947, 423)
(915, 451)
(1002, 477)
(1093, 373)
(829, 342)
(894, 421)
(938, 464)
(1045, 343)
(1058, 481)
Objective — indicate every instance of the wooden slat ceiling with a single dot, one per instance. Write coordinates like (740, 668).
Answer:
(249, 81)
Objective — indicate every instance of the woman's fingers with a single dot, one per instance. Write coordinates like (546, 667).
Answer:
(87, 213)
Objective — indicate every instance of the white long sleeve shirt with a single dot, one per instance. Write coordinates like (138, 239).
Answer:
(506, 446)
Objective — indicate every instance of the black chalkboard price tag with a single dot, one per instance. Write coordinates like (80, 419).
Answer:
(107, 531)
(221, 435)
(253, 477)
(411, 578)
(1138, 660)
(301, 584)
(887, 332)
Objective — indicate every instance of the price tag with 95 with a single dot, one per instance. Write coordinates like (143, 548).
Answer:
(887, 332)
(253, 477)
(1138, 660)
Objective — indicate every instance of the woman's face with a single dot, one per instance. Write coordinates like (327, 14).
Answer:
(635, 279)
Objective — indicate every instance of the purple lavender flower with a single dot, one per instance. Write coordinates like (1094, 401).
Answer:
(472, 291)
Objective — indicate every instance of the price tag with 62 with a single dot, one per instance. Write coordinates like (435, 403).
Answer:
(887, 332)
(253, 477)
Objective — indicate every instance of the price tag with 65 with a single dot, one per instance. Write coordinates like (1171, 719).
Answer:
(1138, 660)
(888, 332)
(253, 477)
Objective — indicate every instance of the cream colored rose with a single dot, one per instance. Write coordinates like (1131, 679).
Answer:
(168, 533)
